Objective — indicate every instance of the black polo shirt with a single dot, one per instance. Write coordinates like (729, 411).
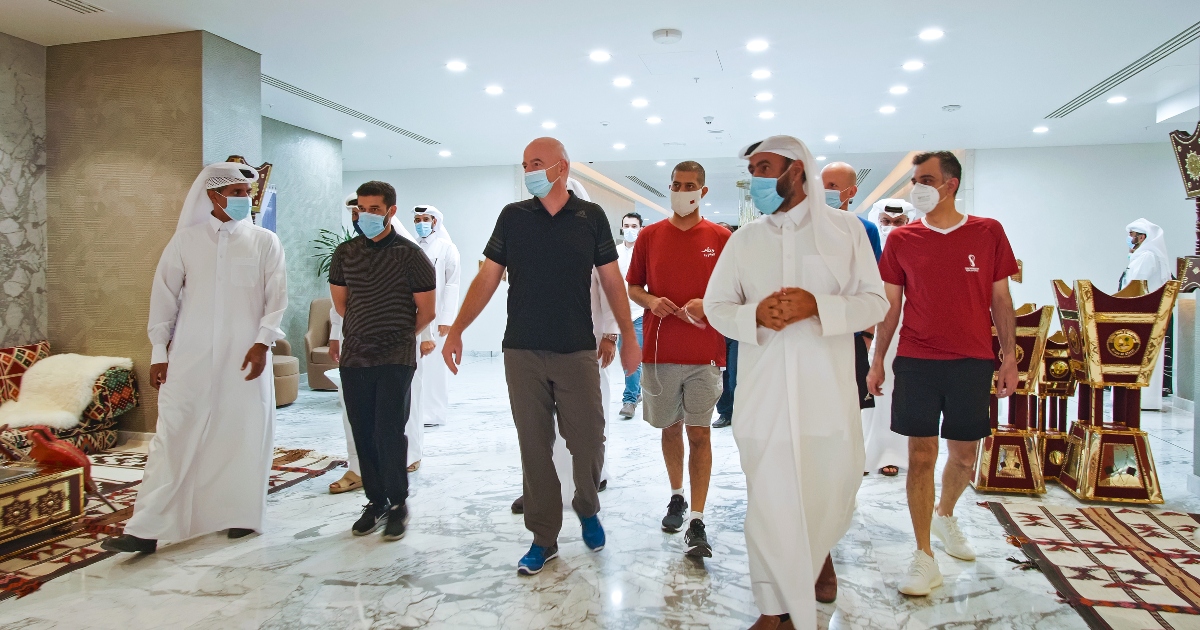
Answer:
(550, 261)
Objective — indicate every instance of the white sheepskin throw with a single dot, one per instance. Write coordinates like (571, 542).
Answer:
(56, 390)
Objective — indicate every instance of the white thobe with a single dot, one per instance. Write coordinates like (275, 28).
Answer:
(435, 374)
(219, 289)
(884, 447)
(603, 322)
(799, 431)
(1147, 265)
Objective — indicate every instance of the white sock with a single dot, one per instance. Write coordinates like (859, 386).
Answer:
(678, 491)
(692, 516)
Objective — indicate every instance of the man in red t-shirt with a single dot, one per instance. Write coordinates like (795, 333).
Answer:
(950, 271)
(681, 382)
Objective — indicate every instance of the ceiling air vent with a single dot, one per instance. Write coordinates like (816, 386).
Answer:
(78, 6)
(1154, 56)
(639, 182)
(862, 174)
(319, 100)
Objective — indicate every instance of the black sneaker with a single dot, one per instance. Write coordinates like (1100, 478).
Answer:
(676, 510)
(697, 541)
(371, 519)
(126, 543)
(397, 523)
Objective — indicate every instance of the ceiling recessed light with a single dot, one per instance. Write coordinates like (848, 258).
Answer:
(359, 134)
(654, 120)
(639, 102)
(763, 96)
(766, 115)
(1116, 100)
(622, 82)
(444, 153)
(549, 124)
(757, 45)
(898, 89)
(618, 146)
(931, 34)
(709, 204)
(1040, 129)
(831, 138)
(599, 56)
(913, 65)
(524, 109)
(660, 163)
(820, 158)
(887, 109)
(456, 66)
(761, 73)
(494, 90)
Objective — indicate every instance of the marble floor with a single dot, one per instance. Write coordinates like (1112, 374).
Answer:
(456, 567)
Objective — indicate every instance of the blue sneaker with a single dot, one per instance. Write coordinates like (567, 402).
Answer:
(533, 562)
(593, 532)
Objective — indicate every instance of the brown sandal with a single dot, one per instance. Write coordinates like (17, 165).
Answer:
(349, 481)
(889, 471)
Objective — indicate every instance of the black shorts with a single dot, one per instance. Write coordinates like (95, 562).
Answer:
(956, 391)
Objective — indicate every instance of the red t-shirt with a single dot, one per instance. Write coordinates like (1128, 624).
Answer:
(947, 279)
(676, 264)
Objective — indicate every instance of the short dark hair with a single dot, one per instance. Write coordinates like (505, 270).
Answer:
(951, 167)
(689, 167)
(376, 188)
(634, 215)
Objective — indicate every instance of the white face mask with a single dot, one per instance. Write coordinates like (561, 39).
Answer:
(685, 202)
(630, 234)
(884, 230)
(924, 198)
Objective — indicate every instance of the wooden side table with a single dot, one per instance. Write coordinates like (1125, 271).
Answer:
(45, 498)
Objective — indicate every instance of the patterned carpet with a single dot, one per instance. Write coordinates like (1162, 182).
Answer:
(1120, 568)
(119, 475)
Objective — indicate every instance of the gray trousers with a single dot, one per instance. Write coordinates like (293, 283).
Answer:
(541, 385)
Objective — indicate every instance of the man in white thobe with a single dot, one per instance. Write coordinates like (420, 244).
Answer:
(887, 451)
(1148, 260)
(434, 239)
(216, 307)
(792, 287)
(414, 431)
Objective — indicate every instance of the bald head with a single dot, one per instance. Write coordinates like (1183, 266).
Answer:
(841, 177)
(547, 151)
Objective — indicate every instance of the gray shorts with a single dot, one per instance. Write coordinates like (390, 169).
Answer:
(673, 392)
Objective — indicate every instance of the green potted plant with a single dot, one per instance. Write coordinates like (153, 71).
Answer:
(324, 244)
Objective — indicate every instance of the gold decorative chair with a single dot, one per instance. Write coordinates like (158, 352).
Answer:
(1056, 384)
(1113, 341)
(1009, 459)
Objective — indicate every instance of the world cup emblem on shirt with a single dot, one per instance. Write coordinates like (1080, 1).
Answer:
(1124, 343)
(972, 267)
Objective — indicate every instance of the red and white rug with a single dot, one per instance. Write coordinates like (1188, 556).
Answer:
(1121, 567)
(119, 474)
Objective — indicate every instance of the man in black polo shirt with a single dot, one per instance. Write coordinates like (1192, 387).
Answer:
(549, 244)
(384, 287)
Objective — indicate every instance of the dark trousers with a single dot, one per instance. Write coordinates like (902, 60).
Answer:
(862, 366)
(377, 402)
(545, 387)
(728, 378)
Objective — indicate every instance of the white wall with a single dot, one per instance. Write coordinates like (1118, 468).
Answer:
(1065, 208)
(471, 199)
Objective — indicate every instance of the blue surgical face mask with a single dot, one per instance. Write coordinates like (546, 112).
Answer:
(538, 184)
(424, 229)
(1131, 242)
(237, 208)
(833, 198)
(371, 225)
(764, 195)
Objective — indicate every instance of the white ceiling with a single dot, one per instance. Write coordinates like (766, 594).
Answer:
(1008, 64)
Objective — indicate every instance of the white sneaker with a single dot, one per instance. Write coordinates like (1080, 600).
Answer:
(923, 575)
(947, 531)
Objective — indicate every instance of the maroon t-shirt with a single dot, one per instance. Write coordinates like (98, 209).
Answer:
(947, 278)
(676, 264)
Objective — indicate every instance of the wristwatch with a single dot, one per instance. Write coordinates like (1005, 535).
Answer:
(611, 337)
